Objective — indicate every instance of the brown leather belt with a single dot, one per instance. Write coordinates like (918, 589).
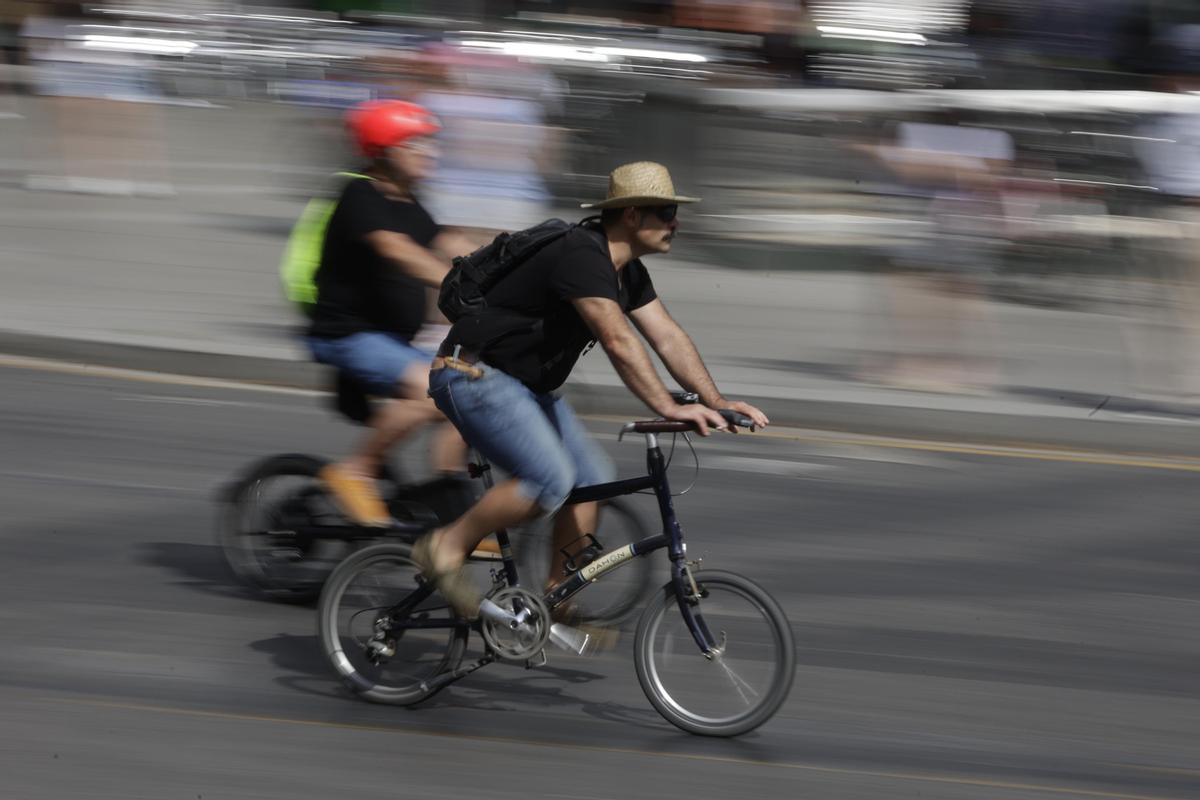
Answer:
(463, 362)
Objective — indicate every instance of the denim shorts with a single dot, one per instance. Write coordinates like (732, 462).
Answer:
(376, 359)
(536, 438)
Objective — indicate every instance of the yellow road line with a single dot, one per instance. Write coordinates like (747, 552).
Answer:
(1039, 452)
(1021, 450)
(145, 376)
(745, 762)
(1164, 770)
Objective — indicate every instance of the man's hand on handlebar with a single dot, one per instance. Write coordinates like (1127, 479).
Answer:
(700, 416)
(746, 410)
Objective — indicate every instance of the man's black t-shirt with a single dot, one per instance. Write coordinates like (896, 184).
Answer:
(530, 329)
(357, 289)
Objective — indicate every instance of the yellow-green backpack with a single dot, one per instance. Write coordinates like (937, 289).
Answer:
(302, 256)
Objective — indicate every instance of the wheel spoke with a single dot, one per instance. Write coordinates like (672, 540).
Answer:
(738, 690)
(737, 681)
(377, 631)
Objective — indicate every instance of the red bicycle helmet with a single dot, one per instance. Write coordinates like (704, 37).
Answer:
(379, 124)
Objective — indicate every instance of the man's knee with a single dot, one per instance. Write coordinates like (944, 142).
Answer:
(553, 486)
(595, 469)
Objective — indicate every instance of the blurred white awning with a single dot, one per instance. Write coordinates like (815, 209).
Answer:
(998, 100)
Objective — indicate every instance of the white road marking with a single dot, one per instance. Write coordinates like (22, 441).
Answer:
(1019, 450)
(103, 482)
(187, 401)
(883, 455)
(209, 401)
(767, 466)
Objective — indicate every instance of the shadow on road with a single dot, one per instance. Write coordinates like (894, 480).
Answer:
(198, 566)
(496, 687)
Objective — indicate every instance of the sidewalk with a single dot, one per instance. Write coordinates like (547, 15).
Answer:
(188, 284)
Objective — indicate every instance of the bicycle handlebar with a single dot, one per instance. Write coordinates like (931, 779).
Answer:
(732, 418)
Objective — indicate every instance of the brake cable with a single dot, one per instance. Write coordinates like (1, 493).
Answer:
(670, 458)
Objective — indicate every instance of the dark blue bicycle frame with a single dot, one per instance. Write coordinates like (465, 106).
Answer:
(671, 538)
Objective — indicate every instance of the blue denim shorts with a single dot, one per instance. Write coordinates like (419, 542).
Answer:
(536, 438)
(378, 360)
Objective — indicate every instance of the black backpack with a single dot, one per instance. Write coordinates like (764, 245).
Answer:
(466, 285)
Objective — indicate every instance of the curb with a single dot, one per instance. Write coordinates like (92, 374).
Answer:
(1130, 431)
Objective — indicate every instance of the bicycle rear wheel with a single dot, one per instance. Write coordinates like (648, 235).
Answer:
(736, 690)
(258, 533)
(384, 630)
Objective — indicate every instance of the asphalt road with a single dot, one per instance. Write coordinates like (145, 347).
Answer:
(968, 625)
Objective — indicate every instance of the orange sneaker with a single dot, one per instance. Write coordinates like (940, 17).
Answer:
(488, 549)
(357, 497)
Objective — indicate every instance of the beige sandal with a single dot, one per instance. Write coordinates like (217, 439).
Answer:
(454, 585)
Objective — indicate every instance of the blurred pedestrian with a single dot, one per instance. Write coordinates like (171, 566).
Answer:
(941, 327)
(1166, 349)
(107, 133)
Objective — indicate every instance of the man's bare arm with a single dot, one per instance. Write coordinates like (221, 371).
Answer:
(628, 356)
(608, 324)
(409, 257)
(677, 351)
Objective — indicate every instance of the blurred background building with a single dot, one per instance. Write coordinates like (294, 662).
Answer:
(951, 155)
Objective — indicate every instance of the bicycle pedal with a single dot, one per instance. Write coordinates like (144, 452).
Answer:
(568, 638)
(539, 660)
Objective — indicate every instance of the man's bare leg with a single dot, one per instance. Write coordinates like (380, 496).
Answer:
(408, 410)
(502, 506)
(570, 523)
(447, 450)
(397, 419)
(352, 478)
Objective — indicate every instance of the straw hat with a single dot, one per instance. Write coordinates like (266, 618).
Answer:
(642, 183)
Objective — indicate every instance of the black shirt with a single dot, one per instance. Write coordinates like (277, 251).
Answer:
(530, 329)
(357, 289)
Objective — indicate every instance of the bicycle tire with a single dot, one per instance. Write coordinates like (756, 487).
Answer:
(253, 531)
(695, 678)
(342, 630)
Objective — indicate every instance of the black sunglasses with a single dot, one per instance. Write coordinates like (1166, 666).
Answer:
(664, 213)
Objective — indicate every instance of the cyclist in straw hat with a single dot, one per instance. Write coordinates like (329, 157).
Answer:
(507, 361)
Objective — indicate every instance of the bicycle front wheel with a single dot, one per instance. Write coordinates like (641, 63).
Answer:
(384, 629)
(738, 688)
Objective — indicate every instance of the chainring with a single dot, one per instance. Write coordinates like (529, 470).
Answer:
(527, 641)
